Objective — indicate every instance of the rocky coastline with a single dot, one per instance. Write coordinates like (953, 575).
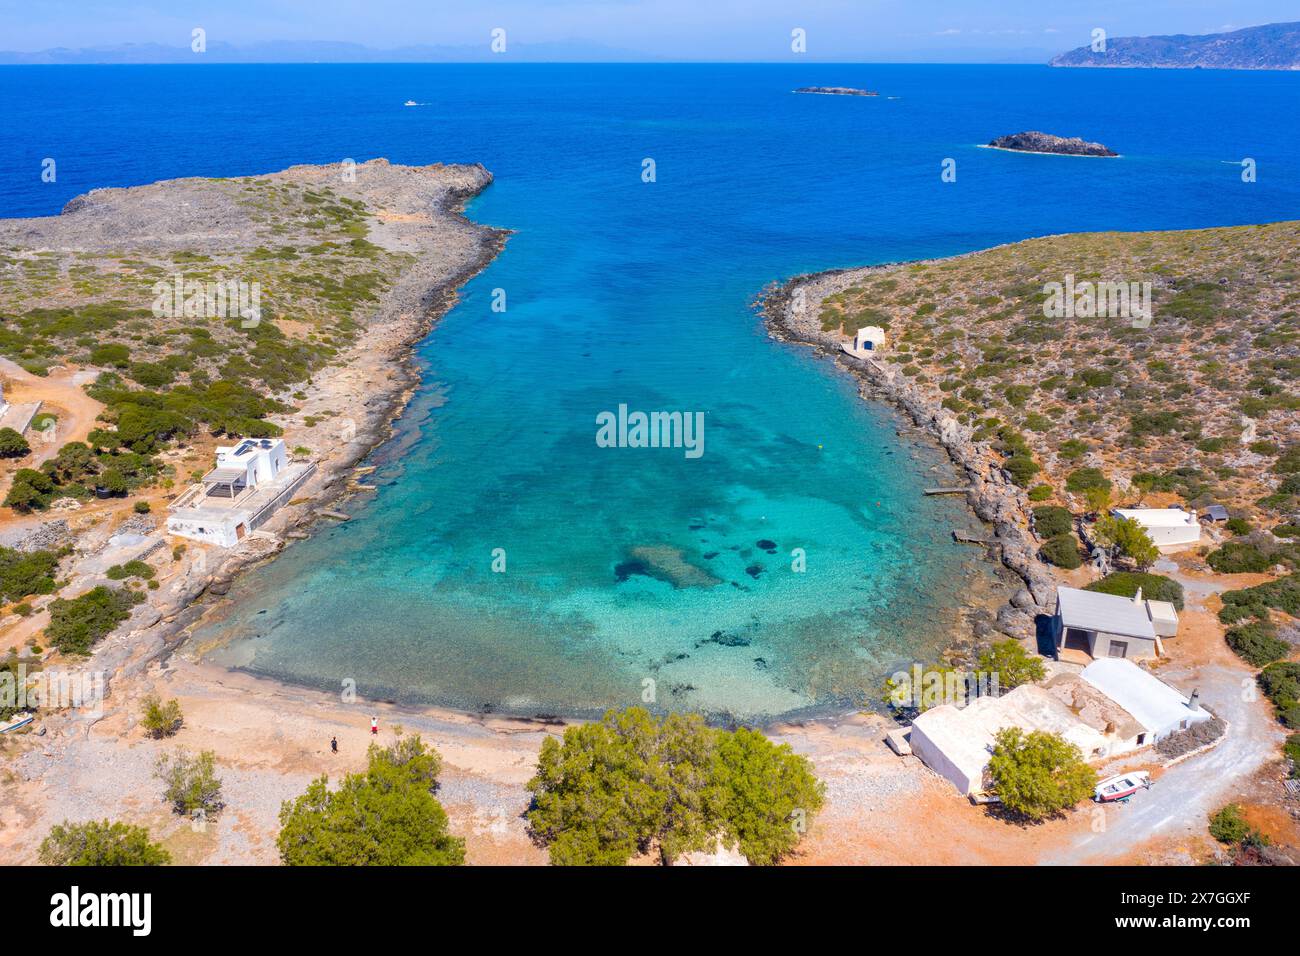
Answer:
(790, 311)
(374, 379)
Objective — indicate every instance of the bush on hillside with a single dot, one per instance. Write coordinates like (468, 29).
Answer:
(1062, 551)
(12, 444)
(1051, 520)
(1257, 643)
(100, 843)
(78, 624)
(1081, 479)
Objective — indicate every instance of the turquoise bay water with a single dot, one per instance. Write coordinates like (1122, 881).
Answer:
(628, 565)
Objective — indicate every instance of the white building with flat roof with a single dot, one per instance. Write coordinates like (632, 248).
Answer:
(1160, 709)
(1112, 708)
(252, 480)
(957, 742)
(869, 338)
(1169, 528)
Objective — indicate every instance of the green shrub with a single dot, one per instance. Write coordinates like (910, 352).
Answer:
(12, 444)
(1155, 587)
(1052, 520)
(1238, 526)
(1012, 664)
(190, 784)
(1072, 449)
(1043, 492)
(76, 625)
(615, 787)
(100, 843)
(1081, 479)
(1281, 685)
(1228, 825)
(31, 490)
(1282, 594)
(112, 353)
(1021, 468)
(387, 816)
(142, 507)
(1257, 643)
(1238, 557)
(1291, 750)
(160, 719)
(23, 574)
(1038, 775)
(1062, 551)
(132, 569)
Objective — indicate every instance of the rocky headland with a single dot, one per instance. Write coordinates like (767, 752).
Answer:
(332, 355)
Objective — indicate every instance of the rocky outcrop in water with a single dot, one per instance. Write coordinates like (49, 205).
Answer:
(836, 91)
(1036, 142)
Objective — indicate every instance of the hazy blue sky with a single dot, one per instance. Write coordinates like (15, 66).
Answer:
(686, 29)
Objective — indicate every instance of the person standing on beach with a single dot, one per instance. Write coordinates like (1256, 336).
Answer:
(374, 725)
(334, 744)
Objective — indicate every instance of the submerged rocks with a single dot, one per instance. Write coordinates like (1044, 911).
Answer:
(724, 639)
(664, 563)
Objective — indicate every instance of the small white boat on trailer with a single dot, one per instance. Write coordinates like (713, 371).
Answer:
(18, 720)
(1122, 787)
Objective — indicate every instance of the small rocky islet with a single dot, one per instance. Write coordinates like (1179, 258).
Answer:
(1033, 141)
(836, 91)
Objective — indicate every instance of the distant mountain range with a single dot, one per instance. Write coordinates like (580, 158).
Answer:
(1275, 46)
(282, 51)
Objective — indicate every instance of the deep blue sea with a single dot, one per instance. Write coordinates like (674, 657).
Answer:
(626, 292)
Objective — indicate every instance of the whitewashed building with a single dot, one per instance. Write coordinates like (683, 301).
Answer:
(1112, 708)
(252, 480)
(869, 338)
(1160, 709)
(1170, 528)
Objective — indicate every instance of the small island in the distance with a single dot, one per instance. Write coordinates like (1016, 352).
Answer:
(1036, 142)
(836, 91)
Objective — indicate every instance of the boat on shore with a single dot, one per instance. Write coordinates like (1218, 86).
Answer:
(17, 721)
(1122, 787)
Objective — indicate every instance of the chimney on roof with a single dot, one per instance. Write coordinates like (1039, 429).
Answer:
(1194, 702)
(1137, 598)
